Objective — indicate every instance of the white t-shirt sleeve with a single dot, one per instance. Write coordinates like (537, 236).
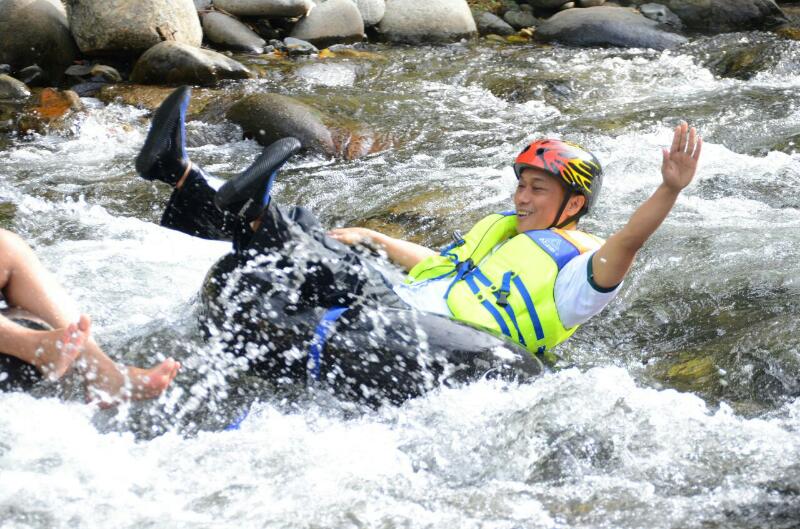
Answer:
(577, 299)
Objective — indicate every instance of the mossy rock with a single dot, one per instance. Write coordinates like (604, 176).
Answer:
(791, 32)
(150, 97)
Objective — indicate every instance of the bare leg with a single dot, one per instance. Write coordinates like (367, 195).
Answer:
(28, 285)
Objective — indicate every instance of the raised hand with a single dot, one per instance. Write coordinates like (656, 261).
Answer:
(680, 162)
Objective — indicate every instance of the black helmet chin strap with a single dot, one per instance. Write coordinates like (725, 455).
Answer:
(555, 224)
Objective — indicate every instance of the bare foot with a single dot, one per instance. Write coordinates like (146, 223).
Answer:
(59, 348)
(130, 383)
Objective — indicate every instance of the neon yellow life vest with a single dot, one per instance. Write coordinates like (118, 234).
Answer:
(508, 289)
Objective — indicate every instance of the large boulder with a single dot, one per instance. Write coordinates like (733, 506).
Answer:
(719, 16)
(417, 21)
(102, 27)
(36, 32)
(174, 63)
(270, 117)
(12, 89)
(606, 26)
(372, 11)
(227, 32)
(330, 22)
(265, 8)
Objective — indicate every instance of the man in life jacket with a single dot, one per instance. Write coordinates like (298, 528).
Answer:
(489, 300)
(530, 274)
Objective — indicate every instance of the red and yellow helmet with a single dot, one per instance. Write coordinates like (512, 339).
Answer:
(576, 168)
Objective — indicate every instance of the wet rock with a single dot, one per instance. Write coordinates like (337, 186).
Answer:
(590, 3)
(49, 111)
(175, 63)
(417, 21)
(720, 16)
(229, 33)
(490, 24)
(330, 22)
(606, 26)
(372, 11)
(298, 47)
(743, 63)
(661, 14)
(5, 68)
(102, 72)
(270, 117)
(32, 75)
(12, 89)
(520, 19)
(87, 89)
(36, 32)
(265, 8)
(568, 5)
(792, 33)
(202, 5)
(150, 97)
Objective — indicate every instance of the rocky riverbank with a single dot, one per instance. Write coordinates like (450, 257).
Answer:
(53, 52)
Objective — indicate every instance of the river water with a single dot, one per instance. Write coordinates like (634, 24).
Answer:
(677, 407)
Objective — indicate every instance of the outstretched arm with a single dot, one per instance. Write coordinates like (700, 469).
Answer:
(403, 253)
(612, 261)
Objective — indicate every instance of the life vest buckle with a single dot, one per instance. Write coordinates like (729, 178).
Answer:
(502, 298)
(458, 239)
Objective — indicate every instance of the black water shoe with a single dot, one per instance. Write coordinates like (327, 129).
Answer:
(247, 194)
(163, 156)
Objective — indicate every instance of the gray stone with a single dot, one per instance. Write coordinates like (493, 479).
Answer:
(269, 117)
(329, 22)
(227, 32)
(590, 3)
(295, 46)
(661, 14)
(719, 16)
(568, 5)
(417, 21)
(265, 8)
(36, 32)
(606, 26)
(202, 5)
(12, 89)
(112, 26)
(174, 63)
(490, 24)
(372, 11)
(520, 19)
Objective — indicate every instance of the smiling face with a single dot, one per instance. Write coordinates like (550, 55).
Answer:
(537, 199)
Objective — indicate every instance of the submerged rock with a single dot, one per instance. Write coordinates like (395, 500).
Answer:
(606, 26)
(175, 63)
(112, 26)
(229, 33)
(330, 22)
(36, 32)
(49, 111)
(417, 21)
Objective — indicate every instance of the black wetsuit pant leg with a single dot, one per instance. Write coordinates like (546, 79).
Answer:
(191, 210)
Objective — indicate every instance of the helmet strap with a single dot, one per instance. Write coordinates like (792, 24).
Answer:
(555, 224)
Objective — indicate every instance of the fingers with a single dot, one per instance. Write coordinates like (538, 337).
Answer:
(676, 139)
(698, 148)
